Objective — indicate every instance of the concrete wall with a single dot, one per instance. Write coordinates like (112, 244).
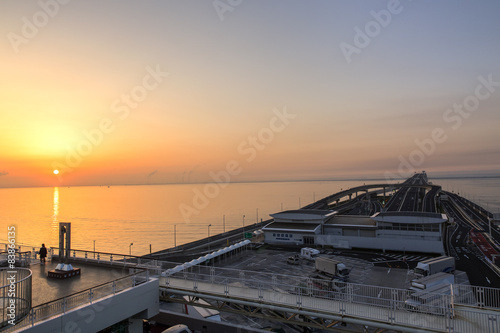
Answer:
(352, 220)
(389, 244)
(296, 238)
(140, 302)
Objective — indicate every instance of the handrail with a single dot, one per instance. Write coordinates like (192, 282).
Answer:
(97, 286)
(161, 266)
(87, 296)
(15, 295)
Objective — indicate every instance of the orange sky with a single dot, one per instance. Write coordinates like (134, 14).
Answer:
(156, 92)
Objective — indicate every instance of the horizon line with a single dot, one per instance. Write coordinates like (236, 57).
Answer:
(464, 176)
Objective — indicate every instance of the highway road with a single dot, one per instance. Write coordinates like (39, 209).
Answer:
(468, 259)
(470, 217)
(429, 202)
(480, 218)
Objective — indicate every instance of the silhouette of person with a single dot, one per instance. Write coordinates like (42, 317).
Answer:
(43, 254)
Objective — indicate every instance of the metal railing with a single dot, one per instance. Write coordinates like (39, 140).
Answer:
(22, 259)
(88, 296)
(15, 295)
(464, 308)
(465, 295)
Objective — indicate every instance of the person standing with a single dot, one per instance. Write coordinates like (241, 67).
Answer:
(43, 254)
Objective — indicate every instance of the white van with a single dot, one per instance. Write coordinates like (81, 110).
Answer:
(309, 253)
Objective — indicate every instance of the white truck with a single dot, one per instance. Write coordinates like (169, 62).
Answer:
(433, 300)
(435, 265)
(309, 253)
(427, 282)
(332, 268)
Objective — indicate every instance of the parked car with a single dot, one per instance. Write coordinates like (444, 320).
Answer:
(293, 260)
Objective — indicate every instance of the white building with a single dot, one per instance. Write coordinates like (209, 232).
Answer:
(395, 231)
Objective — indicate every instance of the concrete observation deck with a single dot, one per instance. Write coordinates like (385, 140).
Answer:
(47, 289)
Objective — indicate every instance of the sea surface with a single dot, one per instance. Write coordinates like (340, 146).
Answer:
(147, 215)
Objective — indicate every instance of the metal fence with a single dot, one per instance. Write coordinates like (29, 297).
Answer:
(15, 295)
(22, 259)
(464, 295)
(379, 303)
(87, 296)
(465, 309)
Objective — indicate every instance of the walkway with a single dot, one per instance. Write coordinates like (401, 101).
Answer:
(351, 303)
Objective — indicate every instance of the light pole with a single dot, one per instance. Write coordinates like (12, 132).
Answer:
(175, 245)
(224, 223)
(243, 227)
(94, 248)
(130, 249)
(208, 239)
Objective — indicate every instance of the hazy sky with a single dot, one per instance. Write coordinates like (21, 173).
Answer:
(113, 92)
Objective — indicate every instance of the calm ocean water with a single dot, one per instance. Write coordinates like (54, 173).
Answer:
(145, 215)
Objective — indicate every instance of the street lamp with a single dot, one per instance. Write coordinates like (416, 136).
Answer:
(94, 248)
(175, 245)
(224, 223)
(243, 227)
(208, 239)
(130, 248)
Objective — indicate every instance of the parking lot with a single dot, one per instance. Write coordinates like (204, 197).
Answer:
(274, 261)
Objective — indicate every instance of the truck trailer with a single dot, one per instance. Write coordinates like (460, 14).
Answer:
(435, 265)
(434, 300)
(432, 280)
(332, 267)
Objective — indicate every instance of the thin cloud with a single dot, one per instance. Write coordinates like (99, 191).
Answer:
(4, 173)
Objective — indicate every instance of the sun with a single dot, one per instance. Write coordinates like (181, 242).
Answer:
(56, 172)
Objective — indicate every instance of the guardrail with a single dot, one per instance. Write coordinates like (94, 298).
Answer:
(465, 308)
(464, 295)
(22, 259)
(15, 295)
(154, 266)
(88, 296)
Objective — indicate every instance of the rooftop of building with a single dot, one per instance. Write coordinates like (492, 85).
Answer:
(410, 217)
(319, 213)
(283, 226)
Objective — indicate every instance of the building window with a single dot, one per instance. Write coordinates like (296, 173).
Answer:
(308, 240)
